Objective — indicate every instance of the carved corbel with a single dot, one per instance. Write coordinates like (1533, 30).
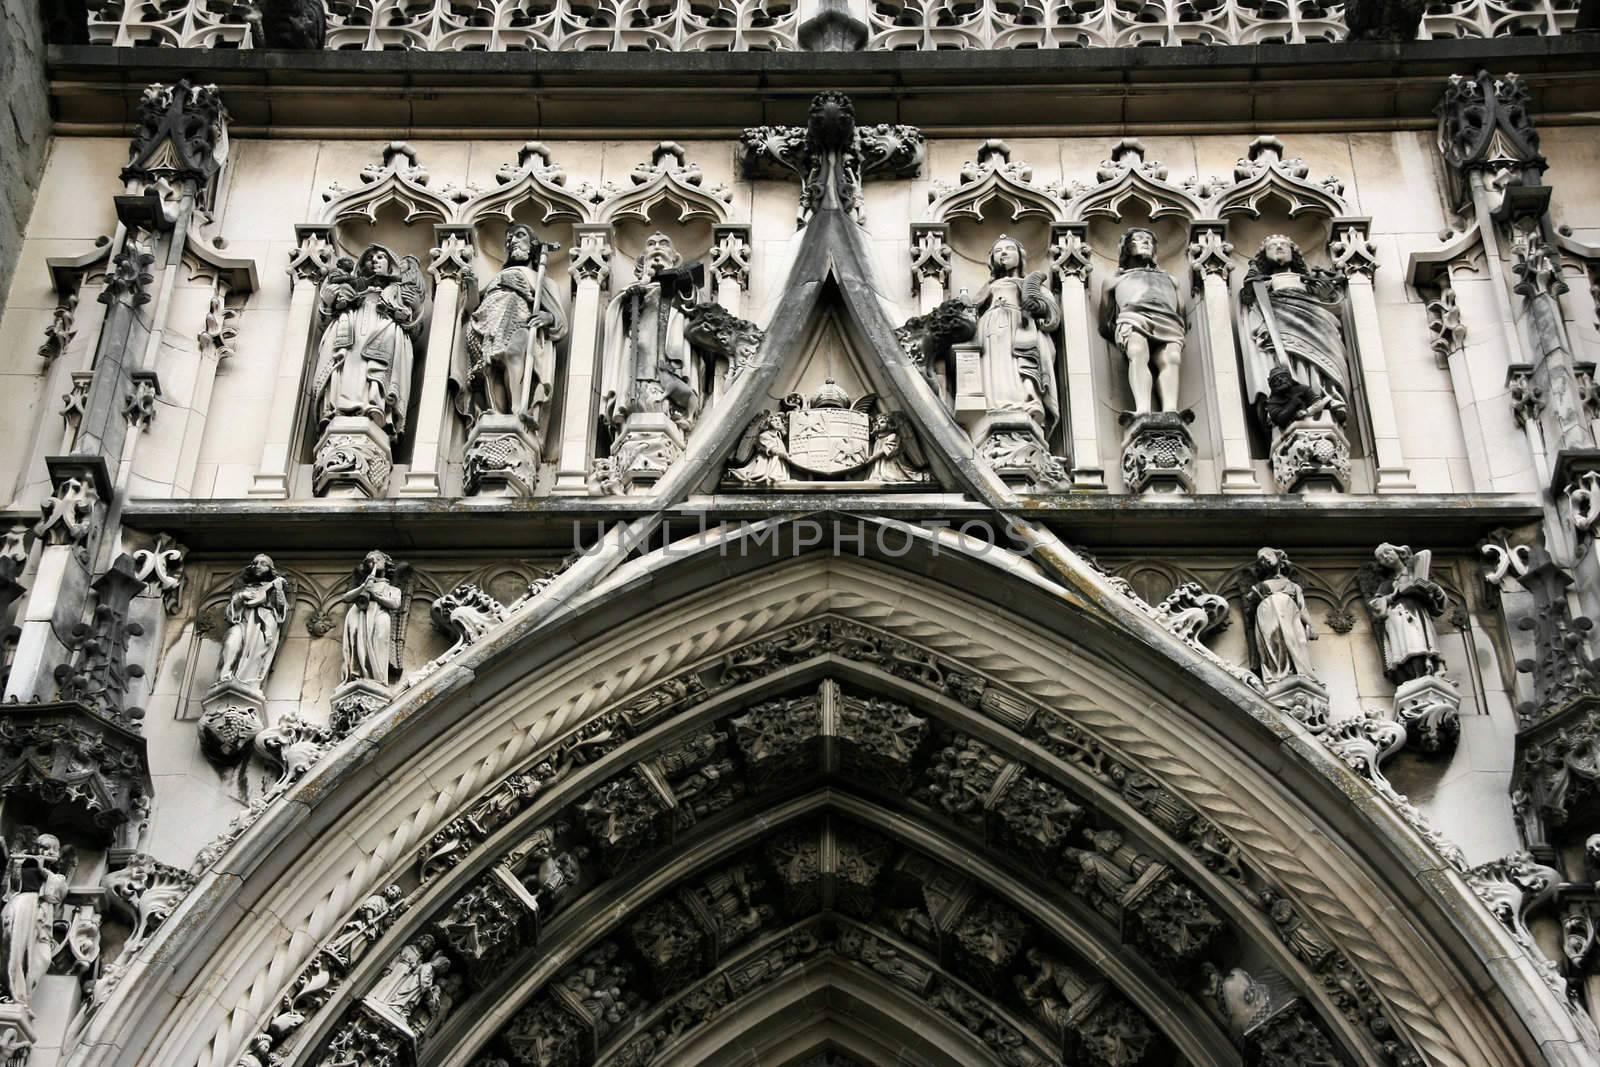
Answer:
(1527, 398)
(730, 256)
(1070, 254)
(1353, 254)
(139, 405)
(312, 257)
(590, 257)
(62, 329)
(930, 260)
(1210, 253)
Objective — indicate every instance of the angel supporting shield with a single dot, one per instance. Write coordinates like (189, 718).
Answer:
(763, 452)
(896, 454)
(373, 311)
(374, 627)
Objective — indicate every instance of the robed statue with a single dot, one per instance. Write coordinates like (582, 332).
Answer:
(1405, 600)
(374, 627)
(1294, 318)
(1281, 630)
(1142, 315)
(1017, 316)
(34, 919)
(508, 364)
(257, 608)
(372, 311)
(650, 362)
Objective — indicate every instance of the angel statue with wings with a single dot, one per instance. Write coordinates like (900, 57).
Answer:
(374, 627)
(374, 315)
(1406, 601)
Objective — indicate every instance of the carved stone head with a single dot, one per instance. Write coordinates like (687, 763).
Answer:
(1007, 258)
(377, 564)
(659, 254)
(48, 848)
(1279, 255)
(1136, 249)
(260, 568)
(520, 240)
(377, 262)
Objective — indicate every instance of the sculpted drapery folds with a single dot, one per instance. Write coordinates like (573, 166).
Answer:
(1281, 625)
(1294, 314)
(650, 364)
(1141, 314)
(1406, 603)
(372, 629)
(1016, 318)
(255, 614)
(373, 310)
(508, 364)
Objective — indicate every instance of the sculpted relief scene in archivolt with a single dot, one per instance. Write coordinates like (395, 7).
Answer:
(830, 592)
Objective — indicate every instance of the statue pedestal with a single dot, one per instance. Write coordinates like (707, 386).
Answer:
(1158, 453)
(231, 719)
(648, 444)
(1304, 698)
(356, 701)
(1311, 456)
(1014, 447)
(353, 459)
(501, 457)
(1430, 709)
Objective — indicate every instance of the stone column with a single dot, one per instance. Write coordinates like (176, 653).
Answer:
(1208, 259)
(1354, 257)
(308, 265)
(216, 344)
(730, 272)
(1070, 259)
(450, 263)
(591, 271)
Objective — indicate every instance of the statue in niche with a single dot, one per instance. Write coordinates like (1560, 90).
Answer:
(256, 611)
(1016, 316)
(508, 365)
(1281, 625)
(373, 310)
(1294, 315)
(1142, 316)
(374, 627)
(34, 919)
(1406, 602)
(650, 364)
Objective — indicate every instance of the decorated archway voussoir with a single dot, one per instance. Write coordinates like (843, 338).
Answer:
(923, 601)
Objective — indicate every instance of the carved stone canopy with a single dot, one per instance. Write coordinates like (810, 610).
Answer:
(77, 767)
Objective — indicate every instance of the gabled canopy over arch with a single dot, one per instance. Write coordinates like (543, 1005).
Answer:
(1198, 773)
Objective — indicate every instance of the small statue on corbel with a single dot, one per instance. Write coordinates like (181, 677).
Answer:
(374, 635)
(504, 376)
(256, 613)
(1404, 600)
(1280, 633)
(373, 314)
(1142, 315)
(1297, 366)
(655, 376)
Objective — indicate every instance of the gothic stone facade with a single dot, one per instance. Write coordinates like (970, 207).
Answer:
(827, 533)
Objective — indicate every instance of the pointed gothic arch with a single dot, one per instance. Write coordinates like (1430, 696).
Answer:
(1396, 920)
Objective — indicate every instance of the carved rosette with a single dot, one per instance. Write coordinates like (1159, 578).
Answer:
(501, 458)
(1158, 454)
(353, 459)
(1311, 456)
